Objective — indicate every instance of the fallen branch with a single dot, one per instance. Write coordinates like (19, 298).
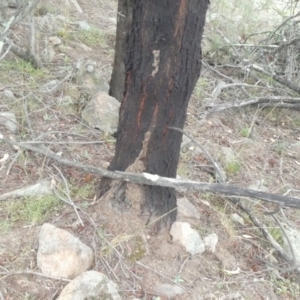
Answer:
(277, 101)
(279, 79)
(150, 179)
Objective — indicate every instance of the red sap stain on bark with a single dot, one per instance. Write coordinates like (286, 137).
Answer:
(180, 18)
(141, 109)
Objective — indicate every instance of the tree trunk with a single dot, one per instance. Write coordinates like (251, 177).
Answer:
(124, 18)
(163, 63)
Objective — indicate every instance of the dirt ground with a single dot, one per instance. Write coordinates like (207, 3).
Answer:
(268, 153)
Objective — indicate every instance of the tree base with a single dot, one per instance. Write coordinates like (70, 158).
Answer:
(154, 206)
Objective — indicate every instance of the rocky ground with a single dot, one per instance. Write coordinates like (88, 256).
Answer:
(255, 148)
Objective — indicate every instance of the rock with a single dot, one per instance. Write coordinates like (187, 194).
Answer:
(258, 186)
(210, 242)
(168, 290)
(294, 237)
(233, 296)
(186, 142)
(237, 219)
(48, 53)
(60, 254)
(9, 120)
(187, 237)
(89, 79)
(90, 285)
(102, 112)
(8, 94)
(54, 40)
(84, 25)
(37, 189)
(52, 86)
(229, 154)
(50, 23)
(186, 209)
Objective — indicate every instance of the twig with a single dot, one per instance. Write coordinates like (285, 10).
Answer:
(5, 274)
(266, 233)
(279, 79)
(36, 62)
(245, 209)
(163, 276)
(282, 24)
(216, 167)
(156, 180)
(216, 72)
(288, 102)
(286, 237)
(69, 142)
(67, 193)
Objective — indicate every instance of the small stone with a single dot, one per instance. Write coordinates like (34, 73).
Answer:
(187, 237)
(61, 254)
(237, 219)
(186, 209)
(84, 25)
(90, 285)
(54, 40)
(258, 186)
(168, 290)
(211, 241)
(9, 120)
(102, 112)
(8, 94)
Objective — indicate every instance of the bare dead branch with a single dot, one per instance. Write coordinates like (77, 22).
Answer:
(18, 51)
(150, 179)
(279, 79)
(276, 101)
(219, 74)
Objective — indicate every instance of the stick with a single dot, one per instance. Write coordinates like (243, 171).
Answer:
(156, 180)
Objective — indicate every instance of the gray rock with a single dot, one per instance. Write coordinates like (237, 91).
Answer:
(294, 237)
(84, 25)
(186, 209)
(37, 189)
(237, 219)
(168, 290)
(54, 40)
(187, 237)
(186, 142)
(52, 86)
(60, 254)
(259, 186)
(8, 94)
(90, 285)
(229, 154)
(210, 242)
(89, 78)
(102, 112)
(9, 120)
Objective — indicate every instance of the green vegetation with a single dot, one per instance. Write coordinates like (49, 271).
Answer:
(82, 192)
(285, 287)
(92, 37)
(245, 132)
(22, 67)
(201, 86)
(233, 167)
(297, 122)
(280, 147)
(29, 210)
(276, 234)
(139, 249)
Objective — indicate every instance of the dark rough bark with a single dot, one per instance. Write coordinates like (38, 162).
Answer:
(124, 18)
(163, 64)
